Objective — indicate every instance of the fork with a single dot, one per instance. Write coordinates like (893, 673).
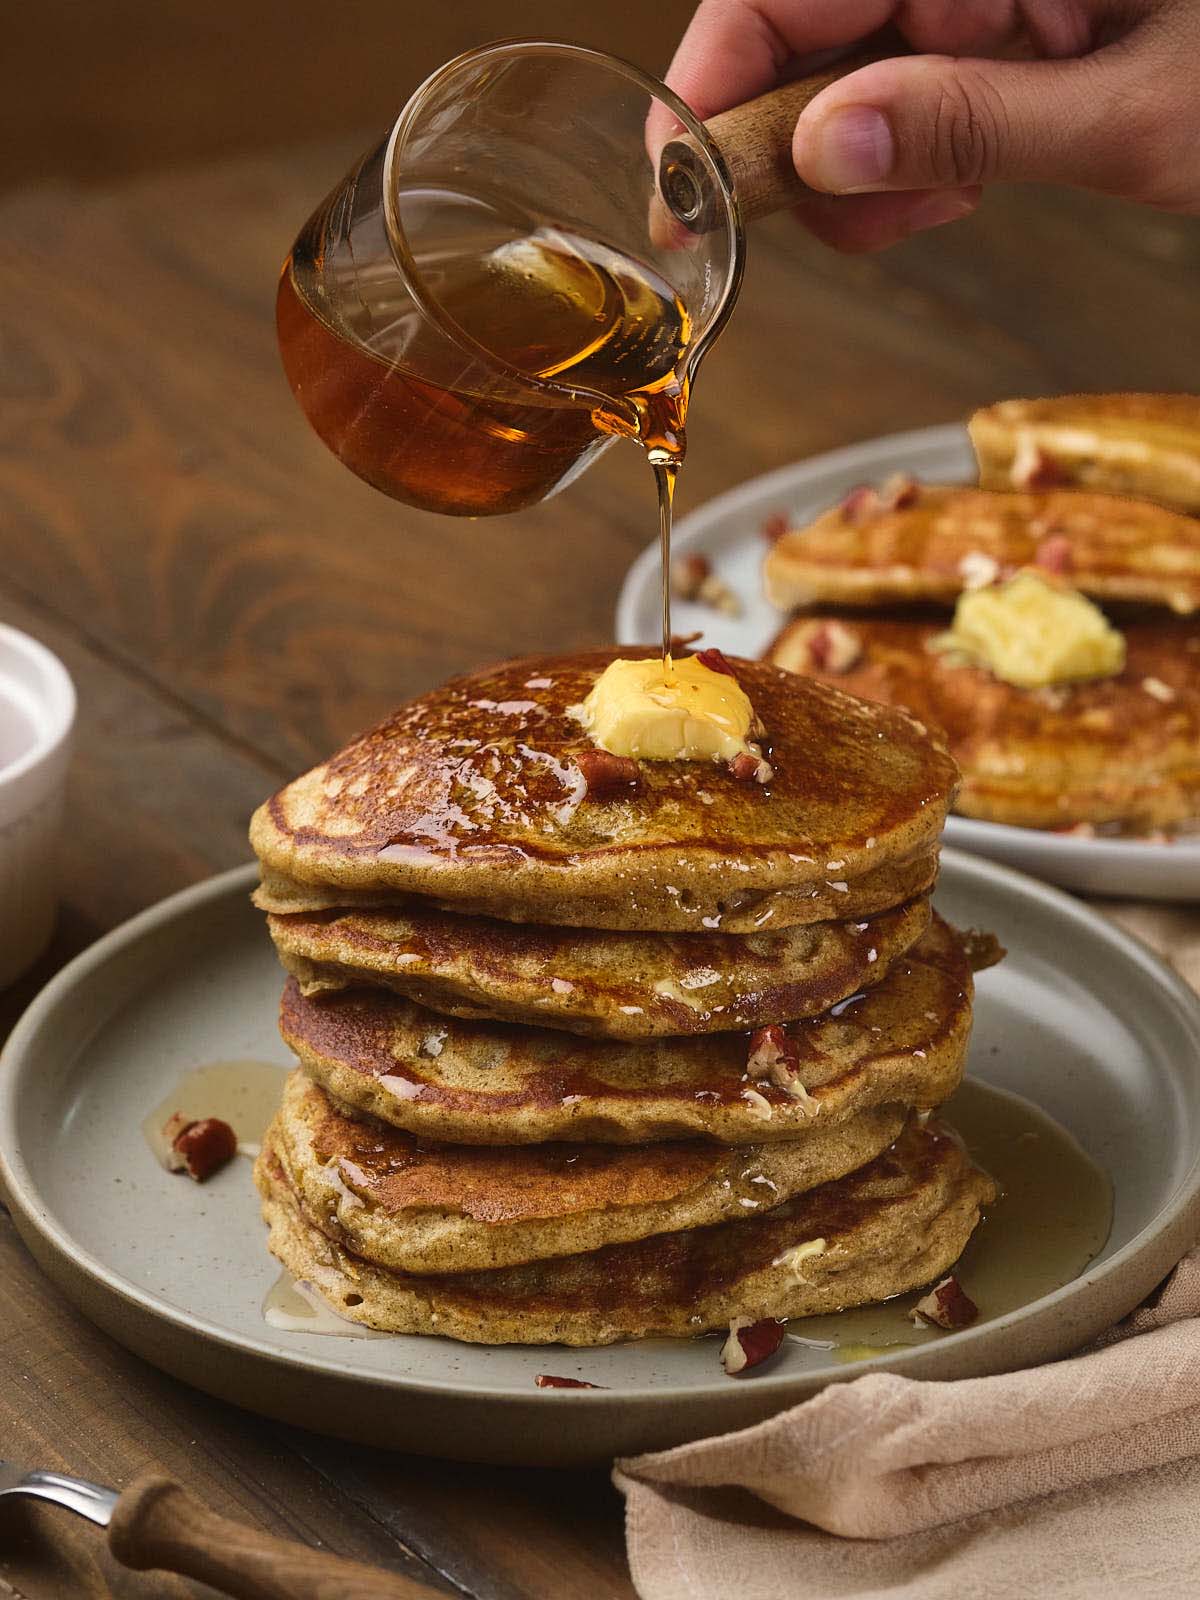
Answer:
(157, 1523)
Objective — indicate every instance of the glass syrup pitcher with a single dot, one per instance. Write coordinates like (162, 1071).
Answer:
(498, 290)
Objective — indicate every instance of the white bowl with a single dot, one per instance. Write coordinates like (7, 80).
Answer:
(37, 713)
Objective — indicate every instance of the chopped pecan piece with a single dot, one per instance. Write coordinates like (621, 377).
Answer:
(1034, 468)
(982, 949)
(769, 1047)
(899, 492)
(1158, 690)
(750, 1343)
(607, 775)
(199, 1147)
(688, 572)
(775, 526)
(749, 768)
(862, 502)
(946, 1306)
(716, 661)
(774, 1056)
(715, 592)
(978, 569)
(1055, 555)
(758, 1105)
(547, 1380)
(829, 646)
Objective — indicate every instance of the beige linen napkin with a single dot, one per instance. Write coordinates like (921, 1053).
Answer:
(1080, 1479)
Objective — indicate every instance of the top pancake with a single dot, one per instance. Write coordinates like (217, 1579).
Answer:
(1145, 445)
(470, 796)
(1123, 750)
(925, 549)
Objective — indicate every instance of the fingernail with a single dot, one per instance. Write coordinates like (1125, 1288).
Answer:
(937, 209)
(852, 150)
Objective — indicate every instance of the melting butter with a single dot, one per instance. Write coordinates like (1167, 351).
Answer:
(681, 712)
(1033, 632)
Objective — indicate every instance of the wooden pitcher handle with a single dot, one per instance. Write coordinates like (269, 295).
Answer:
(755, 141)
(157, 1523)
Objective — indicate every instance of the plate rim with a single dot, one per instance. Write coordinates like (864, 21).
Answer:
(1077, 850)
(19, 1186)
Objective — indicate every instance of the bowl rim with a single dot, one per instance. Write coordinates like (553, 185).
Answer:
(57, 703)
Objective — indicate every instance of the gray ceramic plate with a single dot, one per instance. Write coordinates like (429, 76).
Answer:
(727, 531)
(1080, 1017)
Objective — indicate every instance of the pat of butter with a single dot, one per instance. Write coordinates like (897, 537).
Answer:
(1033, 632)
(691, 713)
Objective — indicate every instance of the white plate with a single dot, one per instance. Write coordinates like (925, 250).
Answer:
(1080, 1017)
(727, 530)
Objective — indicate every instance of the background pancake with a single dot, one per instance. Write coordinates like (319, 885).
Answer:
(904, 1041)
(922, 550)
(893, 1225)
(470, 795)
(1122, 750)
(422, 1208)
(617, 985)
(1145, 445)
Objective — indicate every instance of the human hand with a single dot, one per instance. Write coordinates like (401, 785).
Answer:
(1097, 94)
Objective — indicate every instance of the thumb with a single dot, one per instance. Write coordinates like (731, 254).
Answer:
(928, 122)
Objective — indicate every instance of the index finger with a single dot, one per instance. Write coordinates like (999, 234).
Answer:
(736, 49)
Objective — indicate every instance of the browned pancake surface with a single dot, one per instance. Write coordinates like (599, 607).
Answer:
(413, 1206)
(1122, 750)
(616, 985)
(1145, 445)
(1119, 549)
(471, 796)
(902, 1041)
(895, 1223)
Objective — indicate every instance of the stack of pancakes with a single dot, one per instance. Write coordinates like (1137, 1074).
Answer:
(1093, 489)
(582, 1063)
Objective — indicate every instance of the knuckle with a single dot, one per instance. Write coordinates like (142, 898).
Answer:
(970, 129)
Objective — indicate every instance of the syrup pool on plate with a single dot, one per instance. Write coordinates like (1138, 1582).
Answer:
(1052, 1218)
(243, 1093)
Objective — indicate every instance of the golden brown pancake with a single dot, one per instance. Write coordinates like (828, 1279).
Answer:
(471, 797)
(615, 985)
(1121, 751)
(902, 1042)
(893, 1225)
(416, 1207)
(1109, 548)
(1144, 445)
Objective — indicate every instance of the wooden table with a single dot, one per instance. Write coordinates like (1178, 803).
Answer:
(232, 604)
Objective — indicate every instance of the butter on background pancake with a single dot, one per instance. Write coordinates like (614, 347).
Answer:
(933, 546)
(471, 796)
(1144, 445)
(902, 1042)
(416, 1207)
(1122, 750)
(616, 985)
(895, 1224)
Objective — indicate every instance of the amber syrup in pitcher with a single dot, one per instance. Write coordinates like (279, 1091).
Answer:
(602, 336)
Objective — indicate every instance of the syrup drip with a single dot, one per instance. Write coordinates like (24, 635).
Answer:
(1053, 1216)
(295, 1307)
(243, 1093)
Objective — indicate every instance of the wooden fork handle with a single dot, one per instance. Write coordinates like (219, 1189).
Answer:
(157, 1523)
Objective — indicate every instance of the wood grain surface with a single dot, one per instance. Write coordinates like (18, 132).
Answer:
(232, 604)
